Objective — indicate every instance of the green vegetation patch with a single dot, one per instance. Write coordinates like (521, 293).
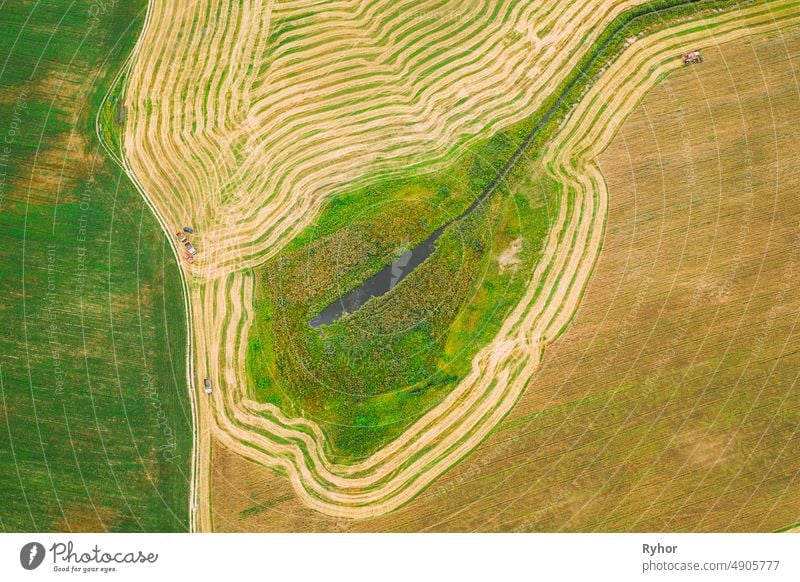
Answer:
(95, 422)
(368, 376)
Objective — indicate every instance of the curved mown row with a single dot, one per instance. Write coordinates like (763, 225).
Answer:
(222, 307)
(234, 128)
(396, 473)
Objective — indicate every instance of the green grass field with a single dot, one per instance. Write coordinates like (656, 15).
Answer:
(368, 376)
(95, 429)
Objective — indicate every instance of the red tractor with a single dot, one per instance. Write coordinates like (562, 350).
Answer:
(692, 58)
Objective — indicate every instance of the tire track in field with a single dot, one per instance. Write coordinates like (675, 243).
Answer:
(222, 305)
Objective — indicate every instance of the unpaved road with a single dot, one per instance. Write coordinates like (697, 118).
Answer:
(247, 229)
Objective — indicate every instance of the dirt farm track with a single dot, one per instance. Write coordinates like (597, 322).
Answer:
(225, 141)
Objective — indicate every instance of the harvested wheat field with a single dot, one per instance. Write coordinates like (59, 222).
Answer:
(233, 145)
(669, 401)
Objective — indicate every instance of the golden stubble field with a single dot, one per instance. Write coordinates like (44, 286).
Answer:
(244, 117)
(670, 403)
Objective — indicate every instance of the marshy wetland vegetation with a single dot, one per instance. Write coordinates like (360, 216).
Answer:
(252, 148)
(369, 374)
(670, 403)
(365, 377)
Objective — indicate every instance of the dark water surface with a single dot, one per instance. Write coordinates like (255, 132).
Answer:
(385, 280)
(380, 283)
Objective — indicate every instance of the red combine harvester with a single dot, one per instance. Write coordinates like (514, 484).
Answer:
(692, 58)
(191, 251)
